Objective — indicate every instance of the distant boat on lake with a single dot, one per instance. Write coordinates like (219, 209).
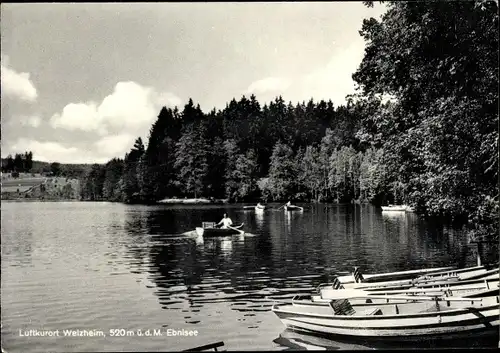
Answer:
(208, 229)
(258, 207)
(397, 208)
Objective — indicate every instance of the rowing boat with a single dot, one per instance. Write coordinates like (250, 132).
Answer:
(455, 289)
(431, 277)
(208, 229)
(428, 318)
(293, 208)
(379, 277)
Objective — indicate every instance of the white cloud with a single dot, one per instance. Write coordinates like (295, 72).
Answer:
(115, 123)
(270, 84)
(16, 84)
(168, 99)
(115, 145)
(30, 120)
(334, 80)
(52, 152)
(130, 108)
(100, 151)
(77, 116)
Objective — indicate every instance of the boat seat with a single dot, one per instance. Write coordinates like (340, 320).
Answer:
(342, 307)
(208, 225)
(431, 308)
(376, 311)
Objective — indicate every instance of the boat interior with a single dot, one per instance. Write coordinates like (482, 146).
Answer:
(344, 307)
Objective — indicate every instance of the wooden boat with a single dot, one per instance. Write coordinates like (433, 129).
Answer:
(428, 318)
(368, 299)
(293, 208)
(208, 229)
(433, 276)
(458, 289)
(463, 273)
(357, 276)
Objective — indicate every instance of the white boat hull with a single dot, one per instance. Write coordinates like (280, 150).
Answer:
(397, 208)
(464, 319)
(391, 275)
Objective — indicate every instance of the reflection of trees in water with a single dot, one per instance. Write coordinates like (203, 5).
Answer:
(175, 263)
(163, 221)
(325, 240)
(136, 231)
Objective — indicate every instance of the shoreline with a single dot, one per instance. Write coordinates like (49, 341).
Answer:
(194, 201)
(38, 200)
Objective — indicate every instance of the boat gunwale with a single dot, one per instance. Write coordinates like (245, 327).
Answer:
(450, 312)
(423, 326)
(399, 338)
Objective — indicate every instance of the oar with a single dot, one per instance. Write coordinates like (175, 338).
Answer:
(239, 231)
(281, 207)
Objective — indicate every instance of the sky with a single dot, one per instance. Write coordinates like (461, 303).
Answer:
(80, 82)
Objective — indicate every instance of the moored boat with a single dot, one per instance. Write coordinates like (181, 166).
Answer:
(208, 229)
(426, 318)
(453, 289)
(471, 276)
(397, 208)
(357, 276)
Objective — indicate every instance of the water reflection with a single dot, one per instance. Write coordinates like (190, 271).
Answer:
(130, 259)
(259, 218)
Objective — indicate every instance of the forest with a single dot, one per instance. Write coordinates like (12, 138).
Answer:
(421, 129)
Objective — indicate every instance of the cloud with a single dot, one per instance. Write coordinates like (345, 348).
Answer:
(15, 84)
(131, 107)
(334, 80)
(270, 84)
(50, 151)
(115, 146)
(100, 151)
(30, 120)
(98, 131)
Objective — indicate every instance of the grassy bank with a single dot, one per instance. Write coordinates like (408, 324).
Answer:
(38, 187)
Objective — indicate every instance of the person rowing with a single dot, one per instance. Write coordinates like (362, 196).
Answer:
(288, 204)
(225, 222)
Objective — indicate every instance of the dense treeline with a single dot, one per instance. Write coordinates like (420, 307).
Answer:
(243, 152)
(422, 129)
(21, 162)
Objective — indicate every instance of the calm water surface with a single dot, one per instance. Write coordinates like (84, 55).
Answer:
(104, 266)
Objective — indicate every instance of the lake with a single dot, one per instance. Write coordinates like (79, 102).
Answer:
(121, 270)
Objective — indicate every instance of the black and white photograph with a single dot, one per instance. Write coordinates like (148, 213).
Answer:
(249, 176)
